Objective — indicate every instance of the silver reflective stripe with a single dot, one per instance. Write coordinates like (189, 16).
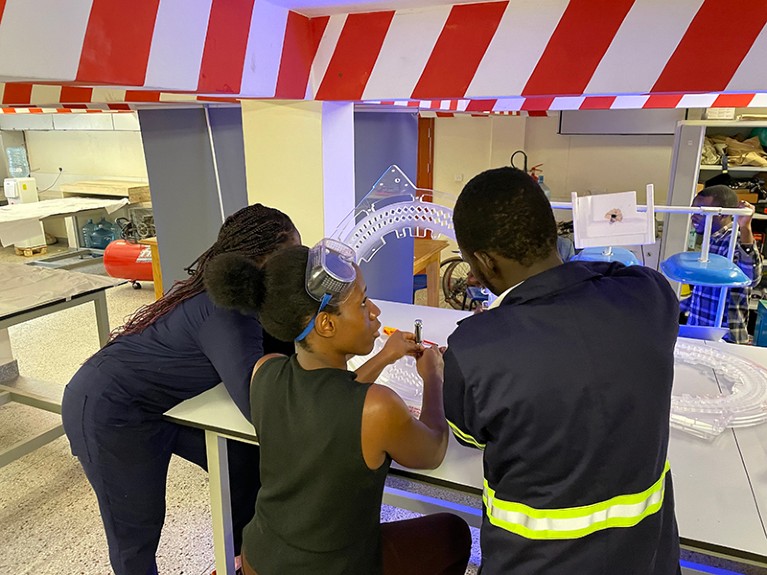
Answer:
(574, 522)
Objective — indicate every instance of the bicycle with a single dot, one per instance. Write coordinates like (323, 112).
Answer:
(456, 277)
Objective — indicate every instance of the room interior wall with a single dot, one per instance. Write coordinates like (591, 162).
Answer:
(83, 155)
(599, 163)
(465, 146)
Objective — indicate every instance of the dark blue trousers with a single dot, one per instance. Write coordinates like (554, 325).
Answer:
(127, 465)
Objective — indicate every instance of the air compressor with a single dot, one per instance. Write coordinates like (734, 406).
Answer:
(128, 260)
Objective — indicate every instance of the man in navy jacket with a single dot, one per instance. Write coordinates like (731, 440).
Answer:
(565, 383)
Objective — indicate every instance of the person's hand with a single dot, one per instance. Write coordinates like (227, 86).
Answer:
(430, 363)
(744, 223)
(399, 344)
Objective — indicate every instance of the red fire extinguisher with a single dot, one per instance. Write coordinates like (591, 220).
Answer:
(128, 260)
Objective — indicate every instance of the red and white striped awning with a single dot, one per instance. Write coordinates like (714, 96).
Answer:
(43, 98)
(520, 55)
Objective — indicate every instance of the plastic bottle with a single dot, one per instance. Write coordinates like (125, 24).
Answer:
(544, 187)
(87, 230)
(692, 239)
(18, 164)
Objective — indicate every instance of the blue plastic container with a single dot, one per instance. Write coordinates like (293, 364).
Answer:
(760, 330)
(87, 230)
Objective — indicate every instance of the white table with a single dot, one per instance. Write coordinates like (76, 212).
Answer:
(27, 293)
(719, 485)
(21, 221)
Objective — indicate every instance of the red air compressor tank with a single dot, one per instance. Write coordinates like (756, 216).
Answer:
(128, 260)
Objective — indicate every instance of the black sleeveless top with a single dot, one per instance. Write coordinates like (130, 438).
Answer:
(318, 510)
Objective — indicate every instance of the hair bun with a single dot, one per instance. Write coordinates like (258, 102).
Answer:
(235, 282)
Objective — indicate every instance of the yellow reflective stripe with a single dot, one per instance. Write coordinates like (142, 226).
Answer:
(463, 436)
(574, 522)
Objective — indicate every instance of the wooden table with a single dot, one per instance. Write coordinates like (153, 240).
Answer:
(156, 270)
(426, 260)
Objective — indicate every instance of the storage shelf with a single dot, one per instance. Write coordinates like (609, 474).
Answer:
(734, 168)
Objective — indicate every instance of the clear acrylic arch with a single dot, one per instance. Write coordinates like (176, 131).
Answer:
(395, 205)
(742, 403)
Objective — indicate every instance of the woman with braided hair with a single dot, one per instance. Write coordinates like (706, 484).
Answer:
(169, 351)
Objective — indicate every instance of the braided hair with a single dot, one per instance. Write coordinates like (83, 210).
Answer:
(254, 232)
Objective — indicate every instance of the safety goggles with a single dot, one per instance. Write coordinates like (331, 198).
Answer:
(330, 275)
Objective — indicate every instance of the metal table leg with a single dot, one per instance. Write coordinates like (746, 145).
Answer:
(220, 503)
(102, 317)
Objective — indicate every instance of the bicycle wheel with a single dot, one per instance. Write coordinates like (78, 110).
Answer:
(455, 273)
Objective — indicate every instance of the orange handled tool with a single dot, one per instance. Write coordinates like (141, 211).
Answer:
(390, 330)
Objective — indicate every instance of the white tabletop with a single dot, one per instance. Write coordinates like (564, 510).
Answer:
(24, 287)
(19, 222)
(715, 501)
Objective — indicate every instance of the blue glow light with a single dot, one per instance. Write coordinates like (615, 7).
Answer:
(708, 568)
(434, 501)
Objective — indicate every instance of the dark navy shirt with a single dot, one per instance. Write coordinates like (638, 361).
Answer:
(567, 388)
(184, 353)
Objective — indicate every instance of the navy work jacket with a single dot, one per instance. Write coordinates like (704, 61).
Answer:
(566, 386)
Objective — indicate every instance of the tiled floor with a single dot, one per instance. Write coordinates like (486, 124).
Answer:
(49, 522)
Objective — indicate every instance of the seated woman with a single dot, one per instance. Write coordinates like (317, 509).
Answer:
(327, 435)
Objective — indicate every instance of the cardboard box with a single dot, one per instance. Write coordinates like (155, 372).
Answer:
(749, 197)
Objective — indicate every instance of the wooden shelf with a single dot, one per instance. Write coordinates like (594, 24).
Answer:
(136, 192)
(734, 168)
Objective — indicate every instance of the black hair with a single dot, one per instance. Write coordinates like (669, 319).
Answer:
(723, 196)
(276, 292)
(504, 210)
(254, 232)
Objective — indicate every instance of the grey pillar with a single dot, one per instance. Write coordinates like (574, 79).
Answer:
(185, 199)
(380, 140)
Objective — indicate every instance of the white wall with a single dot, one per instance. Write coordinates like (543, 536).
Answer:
(83, 155)
(87, 153)
(465, 146)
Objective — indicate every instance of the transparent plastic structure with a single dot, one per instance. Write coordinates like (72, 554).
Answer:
(741, 403)
(401, 376)
(394, 204)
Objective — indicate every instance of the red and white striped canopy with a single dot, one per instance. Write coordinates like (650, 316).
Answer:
(515, 55)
